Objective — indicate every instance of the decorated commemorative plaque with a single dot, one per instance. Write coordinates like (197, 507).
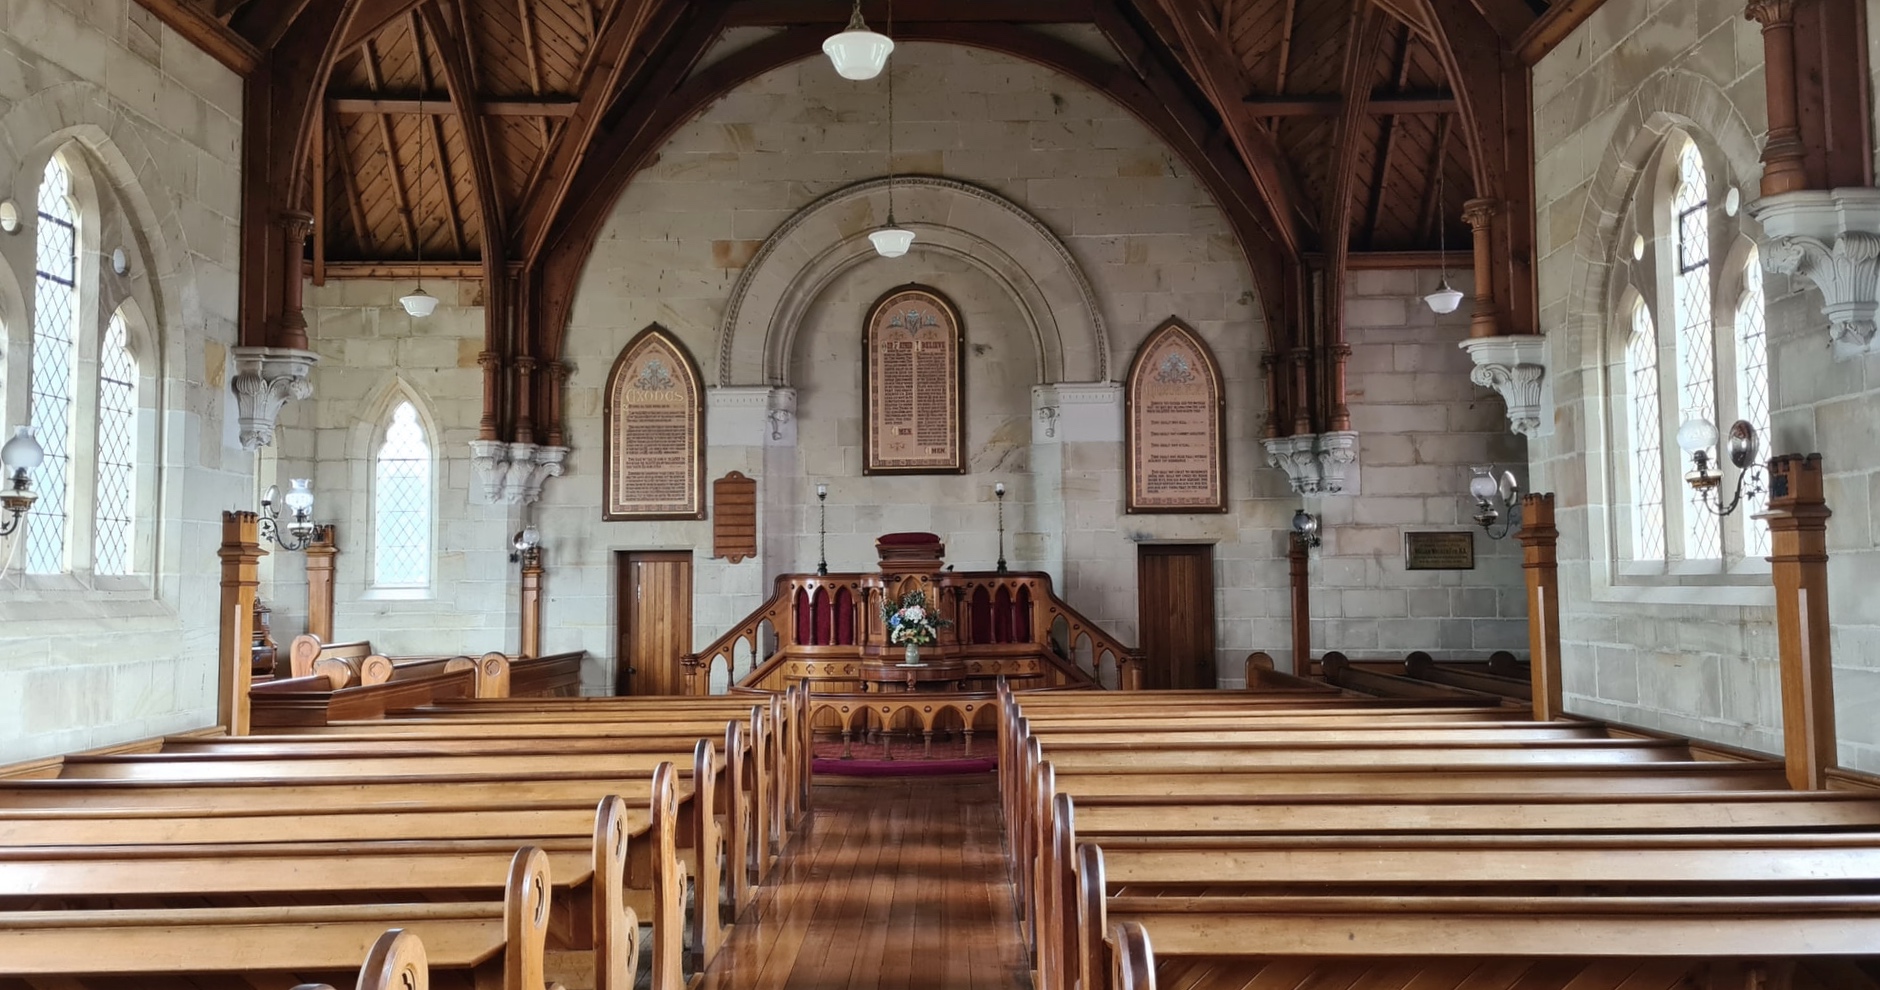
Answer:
(1177, 415)
(1445, 550)
(655, 449)
(912, 362)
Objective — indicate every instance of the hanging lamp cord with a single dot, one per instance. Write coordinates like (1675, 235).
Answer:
(890, 74)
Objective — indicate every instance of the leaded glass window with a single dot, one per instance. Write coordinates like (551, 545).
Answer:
(54, 367)
(1647, 422)
(402, 509)
(1752, 389)
(117, 451)
(1697, 375)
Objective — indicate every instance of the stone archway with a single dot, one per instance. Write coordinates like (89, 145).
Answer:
(981, 228)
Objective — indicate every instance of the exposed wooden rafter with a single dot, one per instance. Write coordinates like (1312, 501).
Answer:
(787, 13)
(215, 38)
(445, 106)
(1552, 28)
(1332, 106)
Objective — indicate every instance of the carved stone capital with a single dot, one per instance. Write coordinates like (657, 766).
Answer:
(1478, 212)
(266, 379)
(1767, 12)
(1515, 367)
(1832, 237)
(513, 473)
(1315, 463)
(296, 224)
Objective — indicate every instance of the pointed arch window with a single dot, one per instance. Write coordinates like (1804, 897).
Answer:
(1647, 441)
(54, 368)
(1752, 389)
(402, 503)
(1697, 365)
(117, 451)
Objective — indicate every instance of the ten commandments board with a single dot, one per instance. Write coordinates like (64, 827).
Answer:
(655, 449)
(912, 361)
(1177, 416)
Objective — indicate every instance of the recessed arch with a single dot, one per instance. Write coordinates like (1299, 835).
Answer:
(981, 228)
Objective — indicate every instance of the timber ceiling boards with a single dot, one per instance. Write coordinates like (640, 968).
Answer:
(1274, 80)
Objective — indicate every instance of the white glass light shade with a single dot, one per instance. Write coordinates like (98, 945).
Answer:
(892, 242)
(299, 496)
(21, 452)
(1444, 299)
(420, 303)
(528, 539)
(1697, 434)
(858, 53)
(999, 489)
(1482, 486)
(822, 491)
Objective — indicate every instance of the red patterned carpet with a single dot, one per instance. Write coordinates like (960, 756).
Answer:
(906, 756)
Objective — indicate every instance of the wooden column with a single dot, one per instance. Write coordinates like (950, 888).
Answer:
(1480, 215)
(321, 549)
(532, 602)
(1798, 530)
(241, 554)
(1783, 169)
(1538, 561)
(1296, 556)
(290, 330)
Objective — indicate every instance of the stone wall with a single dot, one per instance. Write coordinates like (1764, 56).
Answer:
(154, 126)
(1693, 656)
(1064, 231)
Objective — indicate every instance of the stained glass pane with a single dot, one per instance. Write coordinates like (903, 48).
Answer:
(117, 450)
(403, 510)
(55, 358)
(1697, 375)
(1752, 386)
(1648, 487)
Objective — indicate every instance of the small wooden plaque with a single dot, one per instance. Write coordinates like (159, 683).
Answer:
(1452, 550)
(734, 517)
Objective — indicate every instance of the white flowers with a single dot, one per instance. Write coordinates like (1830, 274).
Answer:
(913, 613)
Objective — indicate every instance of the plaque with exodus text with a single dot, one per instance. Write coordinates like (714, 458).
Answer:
(1448, 550)
(1177, 413)
(655, 448)
(912, 366)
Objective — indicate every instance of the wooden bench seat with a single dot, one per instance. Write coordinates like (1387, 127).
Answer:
(1483, 677)
(597, 935)
(498, 942)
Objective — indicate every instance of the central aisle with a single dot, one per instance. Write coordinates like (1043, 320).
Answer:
(894, 884)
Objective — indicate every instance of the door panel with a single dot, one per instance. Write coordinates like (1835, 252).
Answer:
(1175, 613)
(655, 622)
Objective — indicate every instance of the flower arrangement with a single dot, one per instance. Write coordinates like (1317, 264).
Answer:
(910, 622)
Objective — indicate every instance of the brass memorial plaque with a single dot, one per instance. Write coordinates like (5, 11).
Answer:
(655, 449)
(1176, 457)
(912, 366)
(1453, 550)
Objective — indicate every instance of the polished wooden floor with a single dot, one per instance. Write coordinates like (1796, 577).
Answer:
(894, 884)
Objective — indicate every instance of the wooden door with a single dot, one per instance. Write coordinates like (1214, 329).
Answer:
(1175, 613)
(655, 622)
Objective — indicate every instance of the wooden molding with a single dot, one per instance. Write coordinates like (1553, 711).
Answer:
(217, 40)
(1546, 34)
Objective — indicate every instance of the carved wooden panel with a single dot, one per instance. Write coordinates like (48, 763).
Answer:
(655, 449)
(1176, 451)
(734, 517)
(913, 363)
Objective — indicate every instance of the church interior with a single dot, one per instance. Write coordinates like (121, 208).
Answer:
(939, 494)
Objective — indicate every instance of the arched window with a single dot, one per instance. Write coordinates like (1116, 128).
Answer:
(117, 451)
(402, 503)
(1752, 389)
(1697, 365)
(54, 367)
(1647, 446)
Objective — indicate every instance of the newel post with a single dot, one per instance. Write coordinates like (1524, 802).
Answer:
(1540, 564)
(532, 602)
(1296, 558)
(1798, 531)
(241, 554)
(321, 551)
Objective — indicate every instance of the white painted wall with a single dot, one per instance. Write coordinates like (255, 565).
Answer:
(84, 661)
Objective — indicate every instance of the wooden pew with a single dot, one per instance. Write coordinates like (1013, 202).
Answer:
(1474, 676)
(491, 943)
(591, 878)
(1341, 671)
(495, 783)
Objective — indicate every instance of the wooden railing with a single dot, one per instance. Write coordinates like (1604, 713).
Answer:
(818, 628)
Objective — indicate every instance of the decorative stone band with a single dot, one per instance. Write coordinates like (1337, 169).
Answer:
(751, 416)
(513, 473)
(266, 378)
(1077, 412)
(1833, 238)
(1515, 367)
(1315, 463)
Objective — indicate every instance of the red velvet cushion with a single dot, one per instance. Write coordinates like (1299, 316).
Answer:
(907, 540)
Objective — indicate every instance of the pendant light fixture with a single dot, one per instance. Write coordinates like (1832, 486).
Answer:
(857, 52)
(893, 240)
(420, 304)
(1447, 297)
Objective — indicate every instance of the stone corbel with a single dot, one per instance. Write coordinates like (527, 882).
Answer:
(1833, 238)
(266, 379)
(513, 473)
(781, 412)
(1515, 367)
(1315, 463)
